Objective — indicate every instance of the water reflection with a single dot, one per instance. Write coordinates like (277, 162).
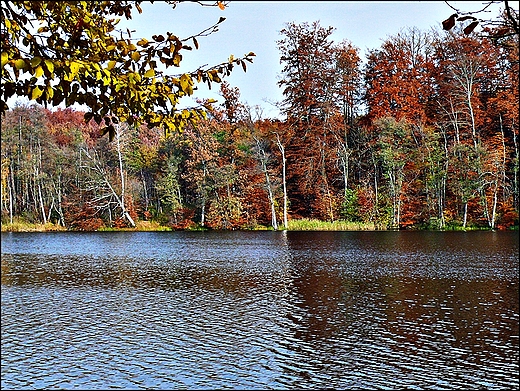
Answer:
(260, 310)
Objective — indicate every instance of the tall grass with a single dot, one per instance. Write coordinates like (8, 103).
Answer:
(19, 225)
(139, 226)
(317, 225)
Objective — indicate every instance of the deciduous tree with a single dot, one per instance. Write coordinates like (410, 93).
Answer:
(71, 52)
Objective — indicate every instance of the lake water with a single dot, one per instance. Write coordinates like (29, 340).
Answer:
(260, 310)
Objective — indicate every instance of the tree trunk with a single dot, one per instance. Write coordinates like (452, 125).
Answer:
(11, 192)
(60, 203)
(495, 200)
(376, 206)
(122, 176)
(145, 190)
(465, 214)
(282, 151)
(38, 182)
(516, 195)
(263, 162)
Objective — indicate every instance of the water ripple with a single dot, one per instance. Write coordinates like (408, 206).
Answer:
(261, 312)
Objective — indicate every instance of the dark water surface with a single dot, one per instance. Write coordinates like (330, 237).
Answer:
(260, 310)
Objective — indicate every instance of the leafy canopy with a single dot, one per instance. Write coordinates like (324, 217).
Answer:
(70, 52)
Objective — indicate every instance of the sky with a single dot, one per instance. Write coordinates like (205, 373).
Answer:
(254, 26)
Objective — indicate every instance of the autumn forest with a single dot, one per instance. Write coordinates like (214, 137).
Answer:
(421, 135)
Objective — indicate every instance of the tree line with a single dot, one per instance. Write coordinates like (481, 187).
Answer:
(423, 135)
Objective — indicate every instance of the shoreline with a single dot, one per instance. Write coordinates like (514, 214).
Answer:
(294, 225)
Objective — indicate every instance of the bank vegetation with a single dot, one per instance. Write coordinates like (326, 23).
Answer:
(422, 136)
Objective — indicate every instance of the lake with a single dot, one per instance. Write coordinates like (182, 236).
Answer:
(260, 310)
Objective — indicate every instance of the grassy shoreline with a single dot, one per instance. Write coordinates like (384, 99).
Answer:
(294, 225)
(19, 226)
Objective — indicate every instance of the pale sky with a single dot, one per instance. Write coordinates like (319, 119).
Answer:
(254, 26)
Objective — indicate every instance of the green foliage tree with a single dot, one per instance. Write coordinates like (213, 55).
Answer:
(71, 52)
(169, 187)
(394, 150)
(350, 206)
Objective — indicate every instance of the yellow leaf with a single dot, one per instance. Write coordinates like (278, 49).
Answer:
(36, 93)
(177, 59)
(19, 64)
(35, 61)
(74, 68)
(136, 56)
(142, 42)
(50, 65)
(149, 73)
(185, 82)
(38, 72)
(5, 58)
(173, 99)
(111, 64)
(50, 92)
